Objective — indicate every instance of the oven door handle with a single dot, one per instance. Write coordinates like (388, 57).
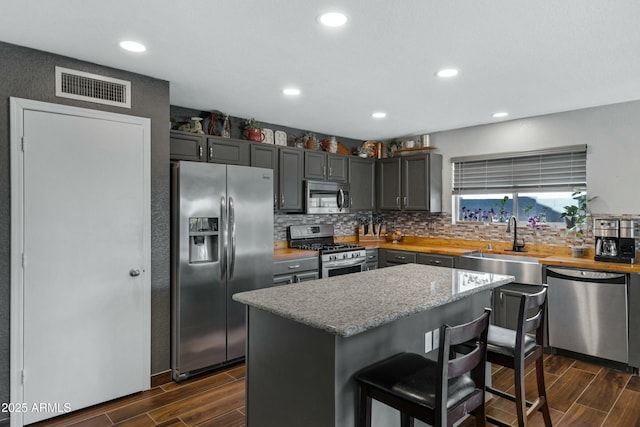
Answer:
(344, 262)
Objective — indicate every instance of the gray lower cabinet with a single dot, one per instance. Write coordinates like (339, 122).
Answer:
(411, 183)
(362, 183)
(436, 260)
(389, 257)
(286, 272)
(323, 166)
(372, 259)
(634, 320)
(290, 175)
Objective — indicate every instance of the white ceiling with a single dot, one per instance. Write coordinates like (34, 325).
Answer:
(521, 56)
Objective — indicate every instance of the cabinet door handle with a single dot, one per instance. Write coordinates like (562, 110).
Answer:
(436, 262)
(401, 257)
(200, 152)
(210, 152)
(398, 201)
(282, 200)
(330, 172)
(405, 201)
(324, 171)
(293, 267)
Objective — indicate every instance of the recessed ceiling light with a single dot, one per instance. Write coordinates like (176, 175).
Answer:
(500, 115)
(333, 19)
(379, 115)
(291, 91)
(447, 72)
(132, 46)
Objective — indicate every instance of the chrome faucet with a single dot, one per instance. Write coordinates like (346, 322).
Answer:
(517, 247)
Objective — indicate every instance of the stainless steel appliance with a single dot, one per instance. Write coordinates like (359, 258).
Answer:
(222, 243)
(615, 240)
(588, 312)
(335, 258)
(325, 197)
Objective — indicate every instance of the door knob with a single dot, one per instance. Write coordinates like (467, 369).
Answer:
(134, 272)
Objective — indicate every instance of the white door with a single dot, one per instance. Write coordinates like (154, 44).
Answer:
(85, 280)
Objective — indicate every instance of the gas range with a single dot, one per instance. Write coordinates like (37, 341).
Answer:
(335, 258)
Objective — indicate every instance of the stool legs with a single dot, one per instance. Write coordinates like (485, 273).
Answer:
(542, 392)
(521, 403)
(364, 411)
(405, 420)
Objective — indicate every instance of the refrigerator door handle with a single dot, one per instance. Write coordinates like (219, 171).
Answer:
(232, 228)
(223, 246)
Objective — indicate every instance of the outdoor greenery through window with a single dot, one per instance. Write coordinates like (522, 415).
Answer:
(533, 186)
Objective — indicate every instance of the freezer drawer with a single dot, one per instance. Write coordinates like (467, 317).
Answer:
(588, 313)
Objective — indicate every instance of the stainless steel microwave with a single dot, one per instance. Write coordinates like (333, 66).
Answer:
(327, 197)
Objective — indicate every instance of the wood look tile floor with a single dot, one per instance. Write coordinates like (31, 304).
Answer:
(580, 394)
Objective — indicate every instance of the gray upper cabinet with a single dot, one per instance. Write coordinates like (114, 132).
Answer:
(290, 176)
(230, 152)
(412, 183)
(206, 148)
(186, 146)
(362, 183)
(388, 184)
(324, 166)
(266, 156)
(337, 167)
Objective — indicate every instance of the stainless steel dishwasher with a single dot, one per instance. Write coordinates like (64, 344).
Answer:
(588, 312)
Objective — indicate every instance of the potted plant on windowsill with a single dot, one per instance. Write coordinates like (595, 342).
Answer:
(575, 217)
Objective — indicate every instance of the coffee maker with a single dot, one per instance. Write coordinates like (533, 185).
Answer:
(615, 239)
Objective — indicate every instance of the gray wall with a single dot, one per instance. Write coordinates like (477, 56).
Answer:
(27, 73)
(611, 132)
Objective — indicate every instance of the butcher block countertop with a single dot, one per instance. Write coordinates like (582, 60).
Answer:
(549, 255)
(284, 254)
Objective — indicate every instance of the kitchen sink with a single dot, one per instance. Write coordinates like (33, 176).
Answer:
(506, 257)
(526, 269)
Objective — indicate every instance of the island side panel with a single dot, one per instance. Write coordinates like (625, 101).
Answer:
(290, 373)
(406, 334)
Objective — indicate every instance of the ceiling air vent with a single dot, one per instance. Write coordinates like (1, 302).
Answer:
(92, 87)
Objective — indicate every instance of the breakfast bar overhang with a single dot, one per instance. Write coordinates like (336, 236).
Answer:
(306, 340)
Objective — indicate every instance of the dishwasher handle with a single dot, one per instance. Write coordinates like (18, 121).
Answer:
(590, 276)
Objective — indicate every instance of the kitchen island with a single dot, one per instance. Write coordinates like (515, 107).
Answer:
(306, 340)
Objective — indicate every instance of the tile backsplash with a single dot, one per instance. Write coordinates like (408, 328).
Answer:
(423, 224)
(343, 224)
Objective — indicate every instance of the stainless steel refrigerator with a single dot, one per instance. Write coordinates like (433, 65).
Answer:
(222, 243)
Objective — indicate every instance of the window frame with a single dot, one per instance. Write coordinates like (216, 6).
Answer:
(561, 169)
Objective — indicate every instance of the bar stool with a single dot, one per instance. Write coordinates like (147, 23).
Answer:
(517, 350)
(438, 393)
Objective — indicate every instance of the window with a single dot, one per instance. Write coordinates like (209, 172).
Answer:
(532, 185)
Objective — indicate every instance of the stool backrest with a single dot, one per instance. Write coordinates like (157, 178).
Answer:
(531, 317)
(452, 365)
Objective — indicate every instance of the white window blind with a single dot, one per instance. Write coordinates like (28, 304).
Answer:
(557, 169)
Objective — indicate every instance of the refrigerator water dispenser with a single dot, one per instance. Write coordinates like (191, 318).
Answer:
(203, 239)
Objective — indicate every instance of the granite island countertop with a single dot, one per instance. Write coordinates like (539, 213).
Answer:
(349, 304)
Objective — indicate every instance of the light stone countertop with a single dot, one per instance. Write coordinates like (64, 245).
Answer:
(349, 304)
